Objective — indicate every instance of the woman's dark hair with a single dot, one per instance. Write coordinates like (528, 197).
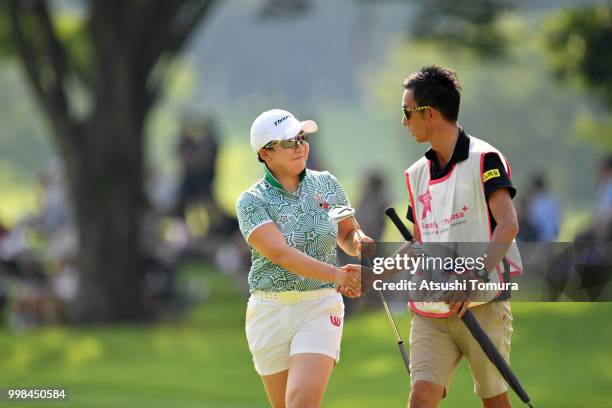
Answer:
(438, 87)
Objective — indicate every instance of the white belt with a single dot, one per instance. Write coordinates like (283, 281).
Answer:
(293, 296)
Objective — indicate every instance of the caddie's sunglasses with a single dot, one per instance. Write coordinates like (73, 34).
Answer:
(288, 143)
(407, 111)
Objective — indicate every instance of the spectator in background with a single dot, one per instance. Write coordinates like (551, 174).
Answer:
(63, 273)
(162, 191)
(197, 151)
(371, 208)
(24, 280)
(232, 255)
(602, 219)
(3, 230)
(543, 210)
(31, 299)
(526, 231)
(56, 212)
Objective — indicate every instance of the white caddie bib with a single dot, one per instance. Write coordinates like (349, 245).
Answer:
(454, 209)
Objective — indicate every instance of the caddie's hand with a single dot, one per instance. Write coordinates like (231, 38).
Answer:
(349, 276)
(457, 303)
(459, 300)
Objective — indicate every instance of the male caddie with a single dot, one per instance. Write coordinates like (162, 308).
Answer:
(460, 191)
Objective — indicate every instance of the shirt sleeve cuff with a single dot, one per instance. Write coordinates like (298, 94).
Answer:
(248, 235)
(496, 187)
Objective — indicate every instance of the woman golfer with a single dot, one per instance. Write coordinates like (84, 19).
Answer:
(294, 316)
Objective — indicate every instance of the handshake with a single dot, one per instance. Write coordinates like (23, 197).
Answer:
(348, 280)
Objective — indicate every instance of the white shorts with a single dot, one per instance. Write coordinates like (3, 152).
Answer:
(276, 331)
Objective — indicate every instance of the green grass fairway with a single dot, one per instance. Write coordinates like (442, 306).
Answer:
(561, 353)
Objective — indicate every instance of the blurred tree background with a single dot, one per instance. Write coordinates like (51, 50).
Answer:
(110, 75)
(578, 45)
(95, 79)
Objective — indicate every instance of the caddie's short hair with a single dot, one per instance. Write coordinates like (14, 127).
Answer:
(438, 87)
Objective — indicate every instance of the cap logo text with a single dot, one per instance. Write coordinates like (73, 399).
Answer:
(276, 122)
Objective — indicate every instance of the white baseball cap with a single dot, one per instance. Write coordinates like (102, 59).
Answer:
(277, 124)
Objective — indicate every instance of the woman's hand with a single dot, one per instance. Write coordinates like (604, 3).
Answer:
(364, 245)
(353, 240)
(348, 279)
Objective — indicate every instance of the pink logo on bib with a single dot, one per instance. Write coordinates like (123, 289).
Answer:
(426, 200)
(335, 320)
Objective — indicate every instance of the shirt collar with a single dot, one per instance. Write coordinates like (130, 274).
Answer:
(269, 177)
(461, 152)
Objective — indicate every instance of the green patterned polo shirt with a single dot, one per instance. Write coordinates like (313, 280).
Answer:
(301, 217)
